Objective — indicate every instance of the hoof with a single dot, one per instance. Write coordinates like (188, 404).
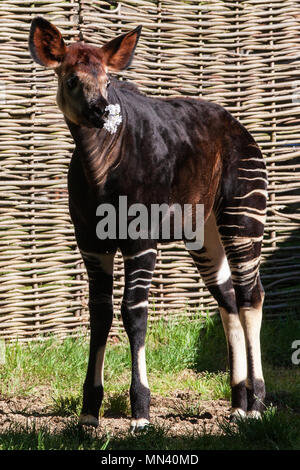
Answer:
(236, 415)
(139, 425)
(89, 420)
(254, 414)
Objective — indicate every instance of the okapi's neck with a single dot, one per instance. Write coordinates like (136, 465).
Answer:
(100, 151)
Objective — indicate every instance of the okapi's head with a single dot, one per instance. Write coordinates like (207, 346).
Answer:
(82, 69)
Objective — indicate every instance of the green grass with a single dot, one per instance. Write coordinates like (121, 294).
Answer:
(275, 431)
(117, 404)
(171, 350)
(66, 404)
(28, 437)
(192, 408)
(189, 356)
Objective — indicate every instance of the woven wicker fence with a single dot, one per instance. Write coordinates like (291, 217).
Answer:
(243, 55)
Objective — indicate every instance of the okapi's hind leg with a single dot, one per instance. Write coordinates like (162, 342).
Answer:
(139, 267)
(244, 256)
(213, 267)
(240, 215)
(100, 275)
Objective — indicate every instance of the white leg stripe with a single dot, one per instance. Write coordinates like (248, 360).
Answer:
(251, 320)
(141, 253)
(142, 367)
(139, 279)
(141, 269)
(236, 340)
(224, 272)
(140, 304)
(146, 286)
(99, 367)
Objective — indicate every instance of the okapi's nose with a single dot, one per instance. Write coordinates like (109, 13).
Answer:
(96, 111)
(98, 106)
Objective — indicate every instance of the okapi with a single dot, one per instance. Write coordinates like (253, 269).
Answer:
(163, 150)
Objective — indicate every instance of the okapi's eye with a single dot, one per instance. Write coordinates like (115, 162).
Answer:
(72, 82)
(108, 82)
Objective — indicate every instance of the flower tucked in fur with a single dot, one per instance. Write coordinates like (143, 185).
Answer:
(113, 119)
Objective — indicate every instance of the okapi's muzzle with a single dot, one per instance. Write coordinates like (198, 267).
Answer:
(96, 112)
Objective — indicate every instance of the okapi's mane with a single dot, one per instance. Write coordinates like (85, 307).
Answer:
(128, 86)
(125, 85)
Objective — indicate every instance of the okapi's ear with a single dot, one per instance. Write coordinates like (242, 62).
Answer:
(118, 53)
(46, 44)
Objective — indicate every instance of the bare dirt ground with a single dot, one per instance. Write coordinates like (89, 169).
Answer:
(167, 412)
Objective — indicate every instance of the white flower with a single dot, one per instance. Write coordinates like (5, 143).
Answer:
(113, 119)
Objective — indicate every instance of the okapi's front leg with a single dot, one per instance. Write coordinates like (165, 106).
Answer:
(100, 276)
(138, 274)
